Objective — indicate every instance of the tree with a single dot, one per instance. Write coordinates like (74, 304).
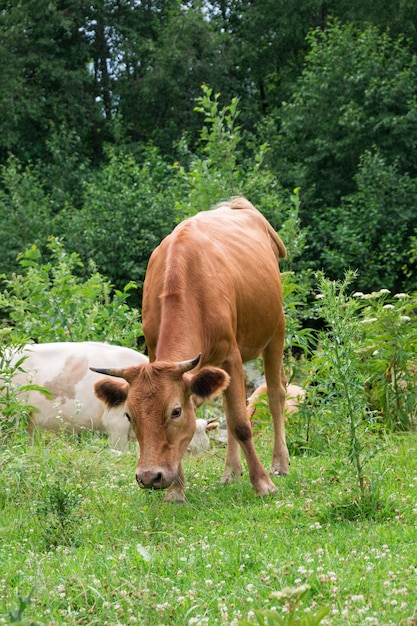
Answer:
(44, 74)
(370, 229)
(25, 212)
(127, 209)
(357, 93)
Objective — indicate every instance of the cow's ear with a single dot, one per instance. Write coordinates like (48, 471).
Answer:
(111, 392)
(208, 382)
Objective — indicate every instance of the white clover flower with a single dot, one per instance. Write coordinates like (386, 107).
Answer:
(358, 598)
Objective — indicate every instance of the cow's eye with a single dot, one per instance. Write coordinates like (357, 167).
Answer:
(176, 412)
(128, 416)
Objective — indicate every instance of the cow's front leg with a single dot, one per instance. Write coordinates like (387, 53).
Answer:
(175, 492)
(233, 465)
(239, 427)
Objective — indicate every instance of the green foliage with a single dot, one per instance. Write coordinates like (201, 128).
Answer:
(338, 373)
(291, 598)
(14, 412)
(127, 210)
(49, 302)
(16, 616)
(388, 350)
(173, 48)
(45, 76)
(223, 168)
(356, 97)
(368, 230)
(217, 173)
(356, 91)
(25, 214)
(58, 510)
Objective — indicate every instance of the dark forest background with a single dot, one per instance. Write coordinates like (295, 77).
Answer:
(121, 117)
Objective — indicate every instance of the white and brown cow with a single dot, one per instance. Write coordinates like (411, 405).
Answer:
(295, 396)
(63, 369)
(212, 300)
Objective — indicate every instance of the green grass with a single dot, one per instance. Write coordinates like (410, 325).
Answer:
(76, 531)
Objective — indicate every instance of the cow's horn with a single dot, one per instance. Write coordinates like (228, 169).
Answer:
(119, 372)
(185, 366)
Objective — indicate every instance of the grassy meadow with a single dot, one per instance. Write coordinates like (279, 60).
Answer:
(80, 543)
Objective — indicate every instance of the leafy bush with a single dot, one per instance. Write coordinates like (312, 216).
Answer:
(225, 165)
(388, 352)
(49, 302)
(128, 208)
(59, 512)
(25, 213)
(14, 411)
(337, 373)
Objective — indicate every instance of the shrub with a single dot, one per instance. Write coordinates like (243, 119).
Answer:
(49, 302)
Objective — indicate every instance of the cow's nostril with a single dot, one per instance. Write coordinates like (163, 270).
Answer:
(140, 482)
(157, 481)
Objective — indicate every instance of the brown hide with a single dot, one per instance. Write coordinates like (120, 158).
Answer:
(212, 288)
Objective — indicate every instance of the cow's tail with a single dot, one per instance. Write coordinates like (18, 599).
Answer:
(238, 202)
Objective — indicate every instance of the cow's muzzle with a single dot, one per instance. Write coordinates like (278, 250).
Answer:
(153, 479)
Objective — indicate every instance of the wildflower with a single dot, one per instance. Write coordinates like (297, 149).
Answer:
(358, 294)
(388, 306)
(401, 295)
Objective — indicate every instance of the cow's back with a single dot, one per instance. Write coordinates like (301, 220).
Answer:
(216, 275)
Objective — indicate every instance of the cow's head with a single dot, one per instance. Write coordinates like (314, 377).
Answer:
(160, 400)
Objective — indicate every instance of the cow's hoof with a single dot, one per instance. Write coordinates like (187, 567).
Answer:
(230, 476)
(279, 469)
(265, 487)
(278, 472)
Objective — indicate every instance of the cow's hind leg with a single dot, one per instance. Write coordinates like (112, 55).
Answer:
(240, 431)
(276, 386)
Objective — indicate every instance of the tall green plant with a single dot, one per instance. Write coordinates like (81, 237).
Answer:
(14, 410)
(225, 165)
(388, 356)
(50, 302)
(338, 373)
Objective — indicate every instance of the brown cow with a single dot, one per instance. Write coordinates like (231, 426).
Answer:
(212, 292)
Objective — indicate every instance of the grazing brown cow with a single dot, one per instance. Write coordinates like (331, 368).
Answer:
(212, 292)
